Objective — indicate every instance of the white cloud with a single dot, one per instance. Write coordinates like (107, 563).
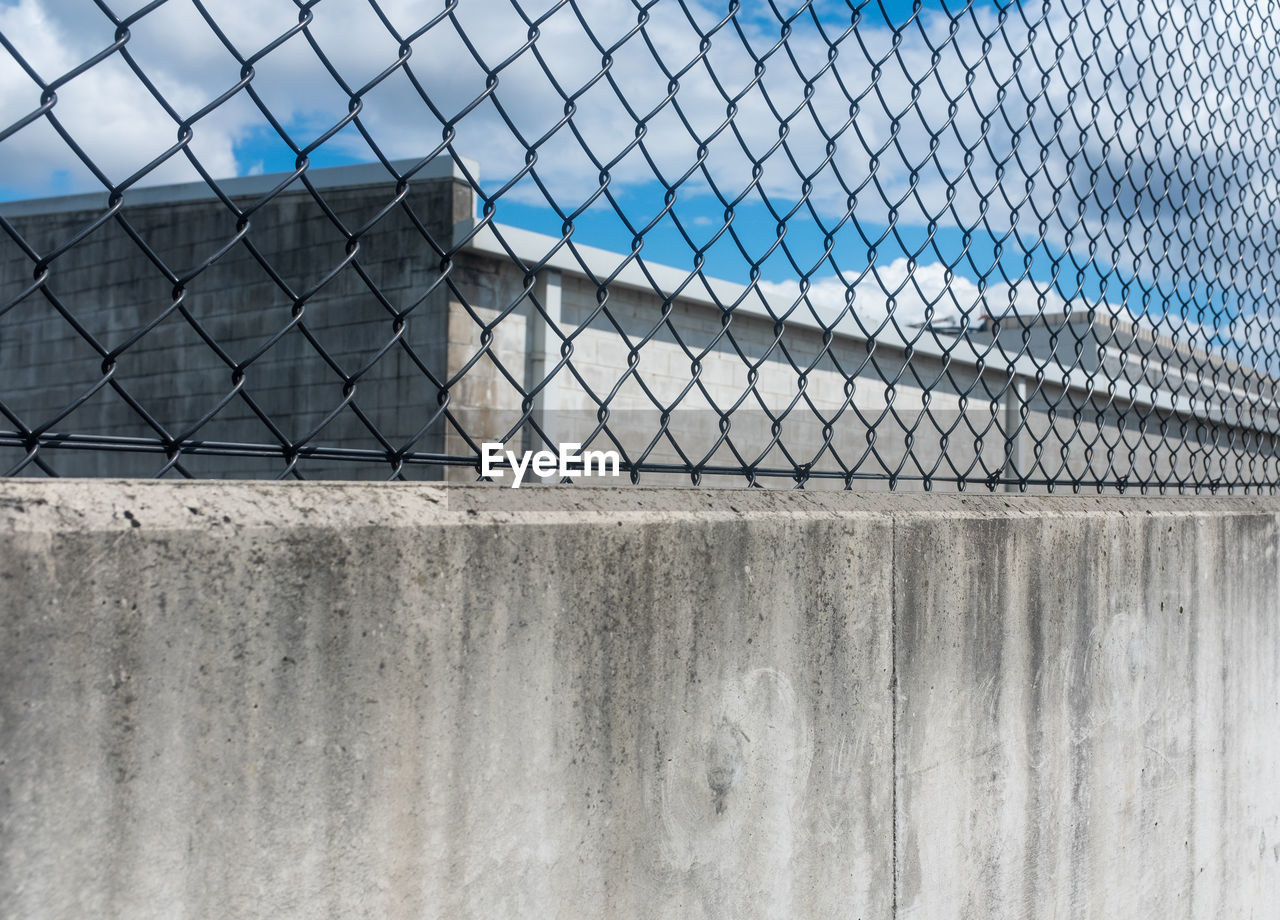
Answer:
(1146, 137)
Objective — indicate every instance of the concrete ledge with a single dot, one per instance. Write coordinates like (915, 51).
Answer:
(98, 504)
(301, 700)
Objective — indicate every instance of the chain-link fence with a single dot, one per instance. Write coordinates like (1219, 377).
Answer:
(827, 244)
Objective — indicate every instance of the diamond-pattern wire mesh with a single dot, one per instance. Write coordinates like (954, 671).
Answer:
(1028, 245)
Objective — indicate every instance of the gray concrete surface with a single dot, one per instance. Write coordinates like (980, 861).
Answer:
(321, 700)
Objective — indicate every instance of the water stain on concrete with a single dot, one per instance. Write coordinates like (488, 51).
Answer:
(725, 760)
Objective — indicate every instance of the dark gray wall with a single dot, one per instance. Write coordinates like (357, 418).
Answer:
(109, 286)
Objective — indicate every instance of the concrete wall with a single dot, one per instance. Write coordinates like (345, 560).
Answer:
(272, 327)
(239, 700)
(937, 420)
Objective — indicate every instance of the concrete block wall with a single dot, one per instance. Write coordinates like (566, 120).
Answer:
(107, 284)
(663, 371)
(405, 701)
(907, 432)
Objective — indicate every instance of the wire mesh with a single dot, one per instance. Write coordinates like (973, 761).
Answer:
(811, 244)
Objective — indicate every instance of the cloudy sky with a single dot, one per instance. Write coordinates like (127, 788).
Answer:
(1069, 153)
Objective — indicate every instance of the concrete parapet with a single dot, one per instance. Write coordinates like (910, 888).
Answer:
(352, 700)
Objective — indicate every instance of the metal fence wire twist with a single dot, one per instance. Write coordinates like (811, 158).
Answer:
(869, 244)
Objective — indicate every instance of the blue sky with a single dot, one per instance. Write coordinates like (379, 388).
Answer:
(1000, 119)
